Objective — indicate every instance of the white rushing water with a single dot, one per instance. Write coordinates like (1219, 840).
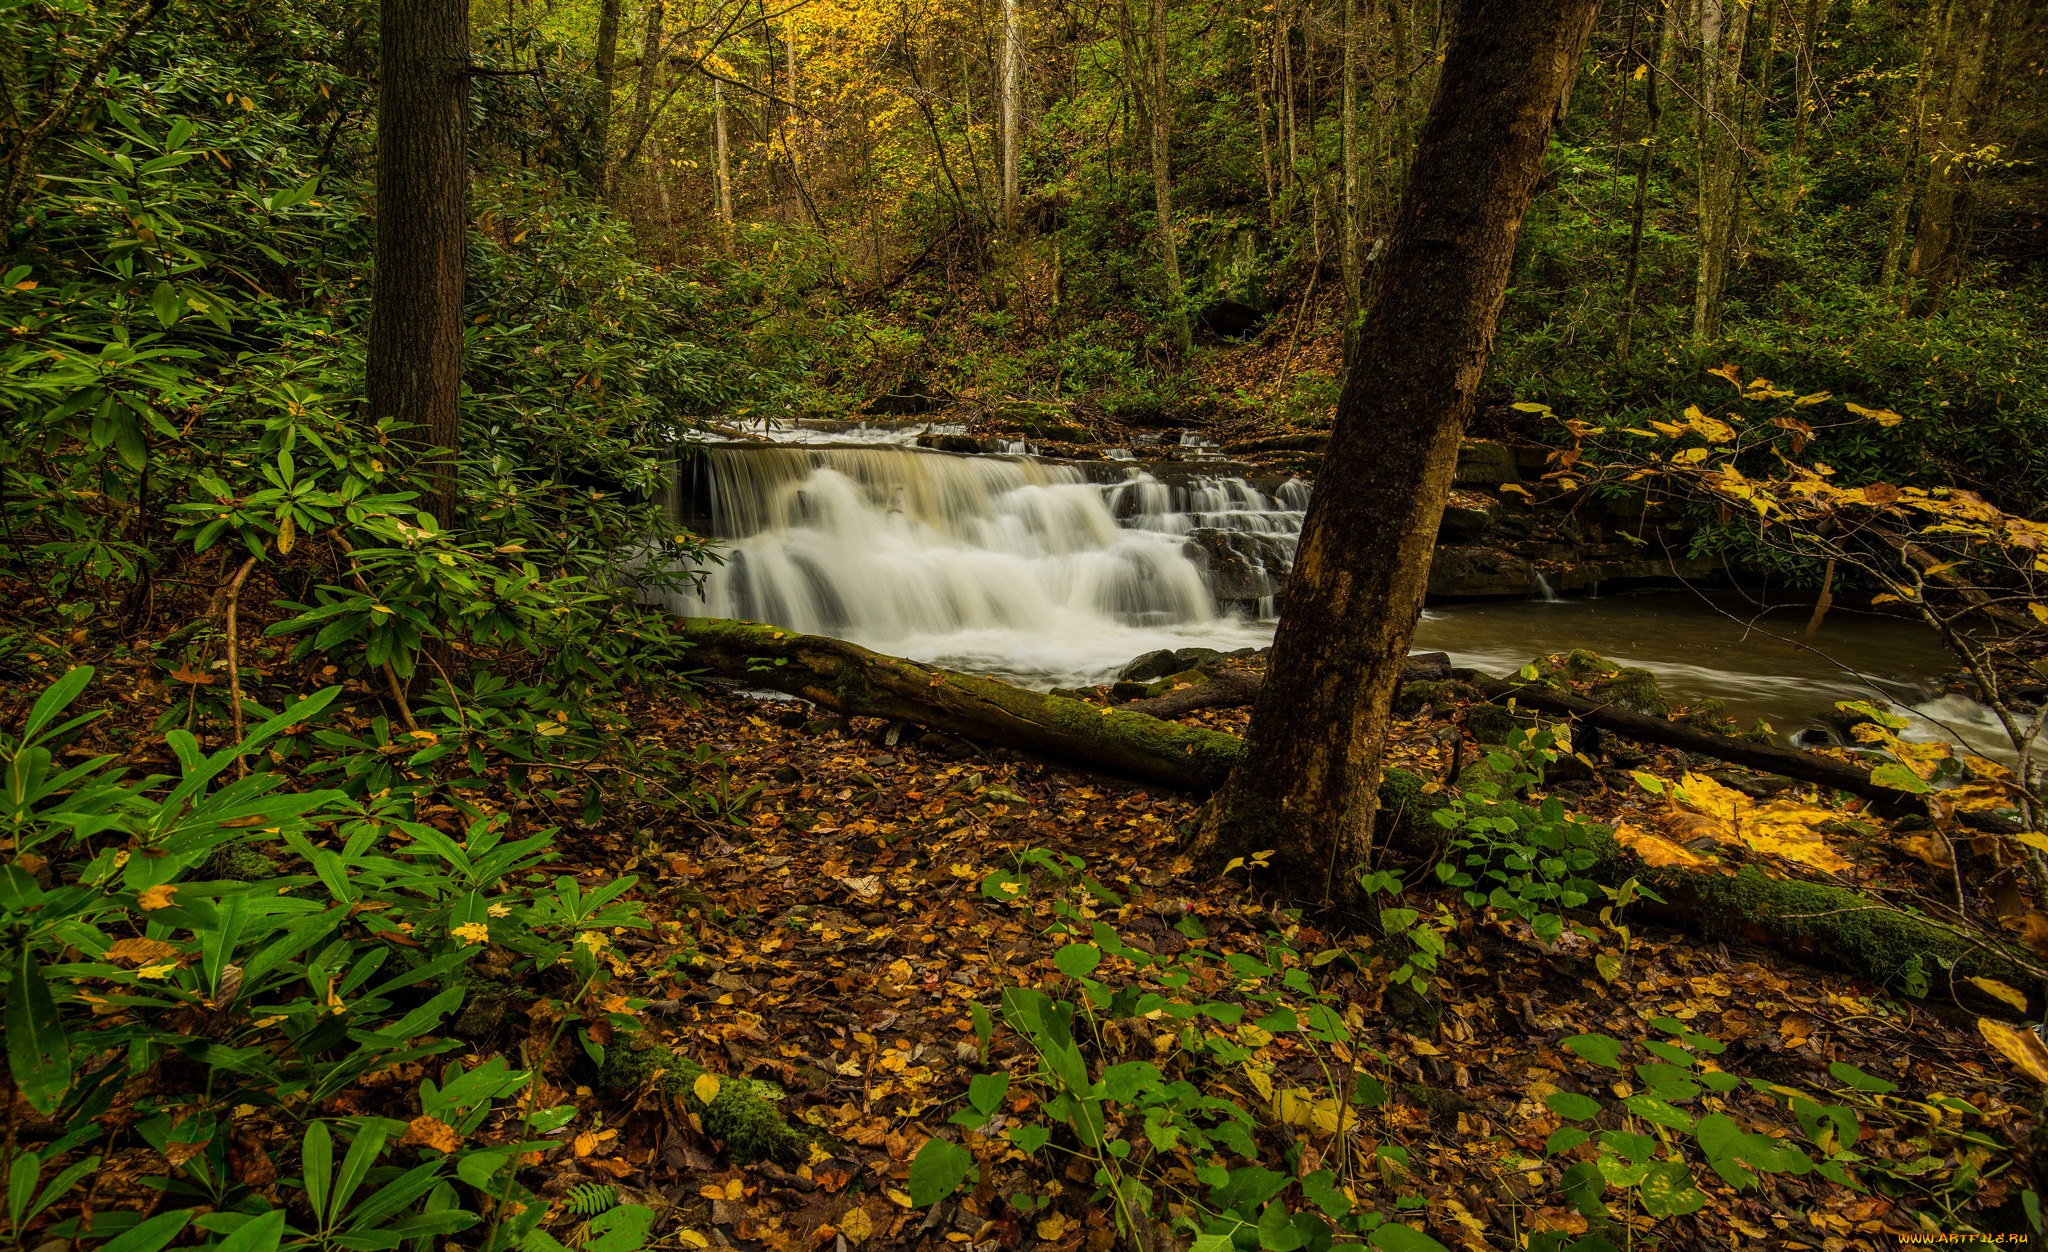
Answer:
(1057, 574)
(1005, 565)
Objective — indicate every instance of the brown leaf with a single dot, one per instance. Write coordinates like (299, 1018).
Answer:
(140, 951)
(157, 897)
(430, 1132)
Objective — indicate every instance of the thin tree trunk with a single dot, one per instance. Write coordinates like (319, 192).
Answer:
(1937, 255)
(1013, 109)
(1307, 785)
(1803, 74)
(1721, 156)
(650, 65)
(1162, 184)
(725, 232)
(1653, 116)
(597, 120)
(414, 368)
(1397, 18)
(1259, 92)
(1932, 38)
(1348, 252)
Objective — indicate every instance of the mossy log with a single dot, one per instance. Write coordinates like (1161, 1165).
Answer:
(849, 679)
(1819, 922)
(742, 1115)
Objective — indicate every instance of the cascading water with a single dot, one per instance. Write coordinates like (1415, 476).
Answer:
(1009, 565)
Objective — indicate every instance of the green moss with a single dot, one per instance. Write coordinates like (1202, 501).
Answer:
(1406, 809)
(744, 1115)
(1631, 688)
(242, 862)
(1847, 926)
(1491, 723)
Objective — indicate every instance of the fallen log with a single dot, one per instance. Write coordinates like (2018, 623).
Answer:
(849, 679)
(1227, 689)
(1787, 762)
(1815, 921)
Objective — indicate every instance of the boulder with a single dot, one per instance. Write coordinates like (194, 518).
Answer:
(1472, 573)
(1150, 666)
(1243, 567)
(1466, 517)
(1483, 463)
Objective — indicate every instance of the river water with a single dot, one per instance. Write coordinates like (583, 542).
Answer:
(1057, 573)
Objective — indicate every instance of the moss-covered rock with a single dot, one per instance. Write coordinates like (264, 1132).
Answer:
(1407, 810)
(1492, 723)
(743, 1114)
(1631, 687)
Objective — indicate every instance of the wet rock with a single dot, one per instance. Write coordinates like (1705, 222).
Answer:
(1243, 567)
(1466, 518)
(1468, 573)
(1485, 464)
(1150, 666)
(1198, 658)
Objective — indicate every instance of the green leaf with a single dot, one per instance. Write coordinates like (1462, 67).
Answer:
(149, 1236)
(1668, 1190)
(1599, 1049)
(1564, 1139)
(38, 1053)
(1570, 1105)
(1658, 1112)
(1077, 960)
(1899, 778)
(986, 1091)
(1397, 1238)
(937, 1171)
(1028, 1139)
(1276, 1229)
(259, 1234)
(1860, 1081)
(623, 1229)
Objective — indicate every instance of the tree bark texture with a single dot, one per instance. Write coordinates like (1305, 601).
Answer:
(1932, 39)
(1307, 786)
(724, 158)
(1722, 32)
(1653, 118)
(414, 367)
(1348, 251)
(597, 118)
(1013, 112)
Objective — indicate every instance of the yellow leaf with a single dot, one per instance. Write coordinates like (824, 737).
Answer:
(2038, 609)
(154, 898)
(1688, 456)
(856, 1225)
(1050, 1228)
(691, 1239)
(140, 950)
(705, 1088)
(1711, 429)
(1883, 417)
(1655, 850)
(472, 932)
(2022, 1047)
(1992, 987)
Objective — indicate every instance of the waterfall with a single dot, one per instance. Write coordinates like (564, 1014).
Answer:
(1036, 569)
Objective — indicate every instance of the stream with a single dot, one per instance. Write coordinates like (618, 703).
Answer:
(1056, 573)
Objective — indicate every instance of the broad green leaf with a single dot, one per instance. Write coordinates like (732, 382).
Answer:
(1668, 1190)
(38, 1053)
(1077, 960)
(1571, 1105)
(1599, 1049)
(937, 1171)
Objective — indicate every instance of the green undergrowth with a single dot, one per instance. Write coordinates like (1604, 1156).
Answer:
(742, 1113)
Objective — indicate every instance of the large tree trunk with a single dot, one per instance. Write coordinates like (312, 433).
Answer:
(1720, 139)
(1013, 110)
(1162, 184)
(597, 119)
(414, 367)
(1937, 251)
(1308, 783)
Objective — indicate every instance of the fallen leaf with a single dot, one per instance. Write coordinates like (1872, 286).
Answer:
(140, 951)
(1992, 987)
(2022, 1047)
(431, 1132)
(157, 897)
(856, 1225)
(705, 1088)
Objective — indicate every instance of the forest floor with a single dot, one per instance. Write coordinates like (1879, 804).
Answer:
(834, 944)
(832, 940)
